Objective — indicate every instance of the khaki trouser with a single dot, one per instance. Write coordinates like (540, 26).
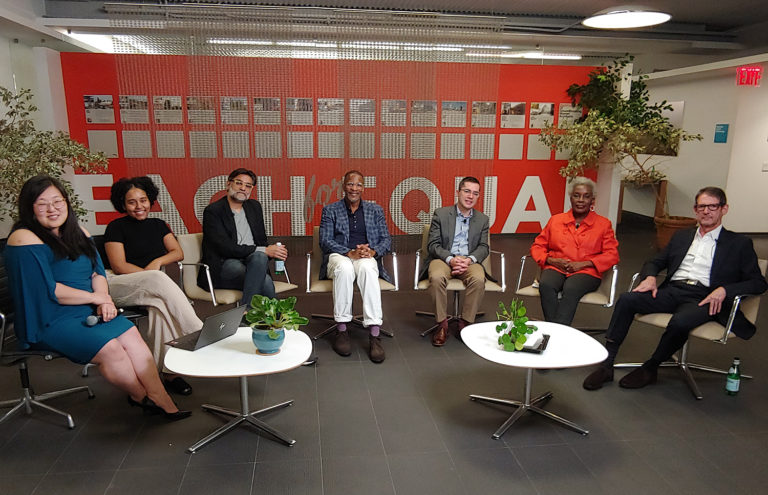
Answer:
(170, 314)
(474, 281)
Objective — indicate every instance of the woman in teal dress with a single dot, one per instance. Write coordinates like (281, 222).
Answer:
(57, 280)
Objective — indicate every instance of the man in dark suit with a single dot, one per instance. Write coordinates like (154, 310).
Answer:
(706, 267)
(235, 241)
(457, 245)
(354, 237)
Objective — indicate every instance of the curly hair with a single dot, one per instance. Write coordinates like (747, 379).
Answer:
(121, 188)
(581, 181)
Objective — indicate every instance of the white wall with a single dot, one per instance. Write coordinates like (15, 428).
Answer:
(38, 69)
(747, 184)
(710, 98)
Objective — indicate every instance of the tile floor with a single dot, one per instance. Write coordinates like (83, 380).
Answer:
(406, 426)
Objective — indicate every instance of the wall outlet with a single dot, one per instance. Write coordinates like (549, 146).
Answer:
(765, 166)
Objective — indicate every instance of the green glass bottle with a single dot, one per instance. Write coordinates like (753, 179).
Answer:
(733, 380)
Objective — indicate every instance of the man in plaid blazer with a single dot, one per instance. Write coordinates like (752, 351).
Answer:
(354, 237)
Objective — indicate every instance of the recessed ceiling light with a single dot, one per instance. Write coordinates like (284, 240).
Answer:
(626, 17)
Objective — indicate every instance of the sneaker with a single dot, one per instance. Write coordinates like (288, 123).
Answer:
(376, 352)
(342, 344)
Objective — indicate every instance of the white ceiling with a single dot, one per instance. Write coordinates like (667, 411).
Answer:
(706, 30)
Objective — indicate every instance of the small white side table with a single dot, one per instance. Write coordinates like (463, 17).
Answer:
(567, 348)
(236, 356)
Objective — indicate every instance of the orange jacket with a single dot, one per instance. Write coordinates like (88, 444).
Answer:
(593, 241)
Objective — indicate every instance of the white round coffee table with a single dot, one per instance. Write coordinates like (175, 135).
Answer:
(567, 348)
(236, 356)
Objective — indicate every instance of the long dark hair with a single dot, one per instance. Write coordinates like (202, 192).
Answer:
(121, 188)
(71, 241)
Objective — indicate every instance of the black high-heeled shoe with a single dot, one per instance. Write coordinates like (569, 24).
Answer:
(175, 416)
(149, 407)
(146, 405)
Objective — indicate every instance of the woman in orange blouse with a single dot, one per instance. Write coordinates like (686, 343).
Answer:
(573, 250)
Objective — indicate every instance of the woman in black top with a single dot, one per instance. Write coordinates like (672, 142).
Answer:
(137, 247)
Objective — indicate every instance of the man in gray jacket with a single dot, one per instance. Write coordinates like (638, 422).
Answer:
(457, 245)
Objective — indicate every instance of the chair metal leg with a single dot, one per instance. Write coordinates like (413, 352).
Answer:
(451, 318)
(86, 368)
(685, 368)
(28, 401)
(357, 320)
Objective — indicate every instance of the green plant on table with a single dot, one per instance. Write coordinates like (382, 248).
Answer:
(514, 327)
(274, 314)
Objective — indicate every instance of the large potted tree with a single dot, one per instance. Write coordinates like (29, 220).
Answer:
(632, 132)
(26, 151)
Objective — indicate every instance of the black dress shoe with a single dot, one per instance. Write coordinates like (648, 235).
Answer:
(595, 380)
(639, 378)
(178, 386)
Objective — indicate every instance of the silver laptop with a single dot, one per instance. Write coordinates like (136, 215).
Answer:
(216, 327)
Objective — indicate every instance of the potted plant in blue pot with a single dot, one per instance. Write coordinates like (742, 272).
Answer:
(269, 319)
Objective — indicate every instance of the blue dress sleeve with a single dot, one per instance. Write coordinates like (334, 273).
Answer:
(99, 266)
(32, 288)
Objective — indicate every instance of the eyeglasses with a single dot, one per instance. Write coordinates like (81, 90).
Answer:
(43, 206)
(470, 192)
(713, 207)
(240, 183)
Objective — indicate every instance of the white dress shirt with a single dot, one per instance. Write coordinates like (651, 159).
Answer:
(698, 260)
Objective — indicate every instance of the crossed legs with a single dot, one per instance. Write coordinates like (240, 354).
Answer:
(126, 362)
(251, 275)
(680, 300)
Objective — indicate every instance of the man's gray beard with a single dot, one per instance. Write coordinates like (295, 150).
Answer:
(234, 198)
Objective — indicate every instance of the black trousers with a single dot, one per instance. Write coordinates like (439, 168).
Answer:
(678, 298)
(557, 308)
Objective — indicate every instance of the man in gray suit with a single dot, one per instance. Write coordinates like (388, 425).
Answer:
(457, 245)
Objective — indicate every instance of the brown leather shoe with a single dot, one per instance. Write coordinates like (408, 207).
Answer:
(440, 334)
(376, 352)
(596, 379)
(639, 378)
(342, 345)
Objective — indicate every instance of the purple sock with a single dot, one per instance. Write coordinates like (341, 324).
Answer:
(374, 330)
(341, 327)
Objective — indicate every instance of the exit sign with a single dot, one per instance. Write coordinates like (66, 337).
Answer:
(749, 76)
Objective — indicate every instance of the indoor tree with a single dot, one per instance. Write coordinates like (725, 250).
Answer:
(26, 151)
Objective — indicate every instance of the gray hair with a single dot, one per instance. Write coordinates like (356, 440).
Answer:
(581, 181)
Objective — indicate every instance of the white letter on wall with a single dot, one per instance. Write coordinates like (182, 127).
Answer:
(170, 213)
(396, 203)
(294, 206)
(531, 189)
(205, 192)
